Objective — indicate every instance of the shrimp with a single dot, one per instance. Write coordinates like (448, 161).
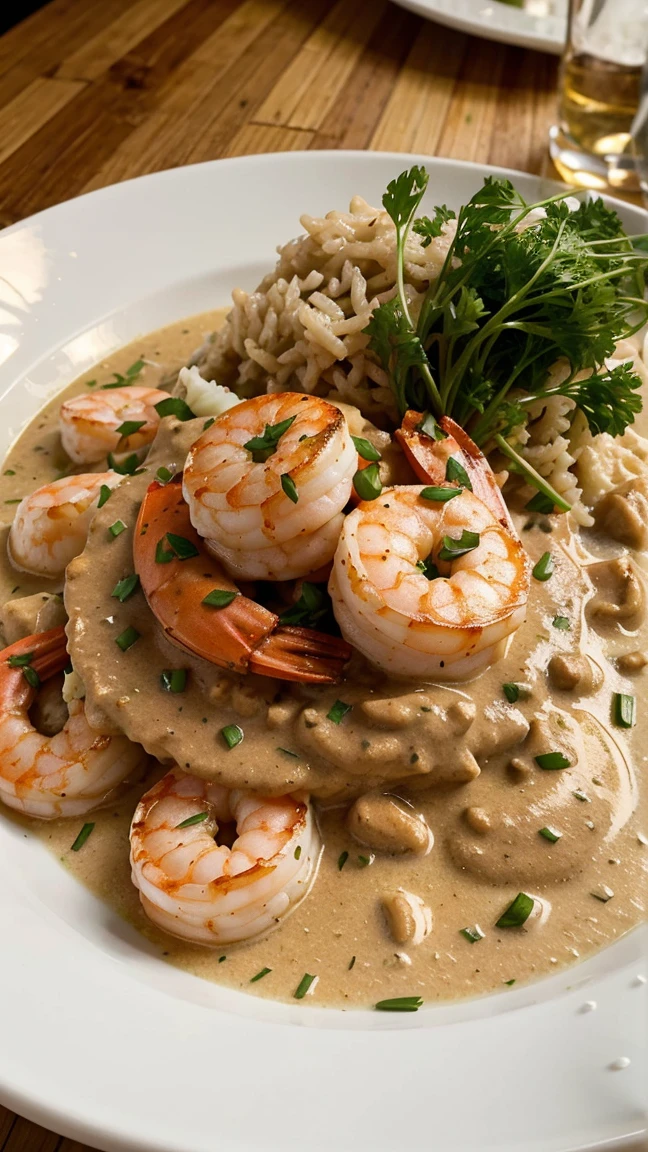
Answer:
(429, 459)
(51, 526)
(89, 423)
(200, 890)
(49, 776)
(266, 485)
(414, 609)
(239, 634)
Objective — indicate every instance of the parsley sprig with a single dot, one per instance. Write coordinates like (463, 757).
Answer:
(516, 292)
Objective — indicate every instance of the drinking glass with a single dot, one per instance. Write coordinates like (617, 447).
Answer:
(600, 82)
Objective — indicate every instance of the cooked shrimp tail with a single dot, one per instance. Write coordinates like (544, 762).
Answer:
(70, 773)
(429, 460)
(203, 891)
(241, 635)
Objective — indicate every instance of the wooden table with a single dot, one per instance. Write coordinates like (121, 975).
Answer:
(96, 91)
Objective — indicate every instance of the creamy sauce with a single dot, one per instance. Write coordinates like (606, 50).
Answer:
(462, 755)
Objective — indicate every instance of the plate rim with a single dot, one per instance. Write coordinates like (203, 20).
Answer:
(71, 1122)
(511, 25)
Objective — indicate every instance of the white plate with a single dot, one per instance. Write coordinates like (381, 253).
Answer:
(99, 1038)
(541, 24)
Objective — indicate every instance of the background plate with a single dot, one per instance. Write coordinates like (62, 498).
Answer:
(102, 1040)
(542, 24)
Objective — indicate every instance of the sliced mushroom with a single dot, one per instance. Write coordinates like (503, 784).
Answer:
(620, 591)
(389, 824)
(623, 513)
(408, 916)
(632, 661)
(30, 614)
(571, 672)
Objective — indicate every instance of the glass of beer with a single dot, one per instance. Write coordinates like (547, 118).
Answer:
(600, 81)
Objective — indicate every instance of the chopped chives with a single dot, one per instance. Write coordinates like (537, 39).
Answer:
(297, 853)
(104, 493)
(128, 467)
(550, 834)
(562, 623)
(130, 427)
(117, 528)
(543, 570)
(365, 449)
(439, 494)
(264, 446)
(552, 761)
(127, 638)
(338, 711)
(474, 934)
(20, 661)
(260, 975)
(208, 423)
(163, 475)
(174, 406)
(219, 598)
(453, 548)
(162, 555)
(367, 482)
(289, 487)
(287, 752)
(82, 837)
(183, 548)
(428, 568)
(232, 735)
(517, 913)
(509, 982)
(351, 963)
(512, 692)
(540, 503)
(400, 1004)
(365, 861)
(431, 428)
(456, 471)
(197, 818)
(31, 676)
(303, 986)
(125, 588)
(624, 710)
(17, 500)
(342, 859)
(221, 958)
(174, 679)
(9, 472)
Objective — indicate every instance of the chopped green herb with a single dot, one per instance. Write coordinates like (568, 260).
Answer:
(265, 446)
(31, 676)
(287, 752)
(125, 588)
(351, 963)
(367, 482)
(163, 475)
(624, 710)
(512, 692)
(128, 467)
(550, 834)
(232, 735)
(82, 837)
(543, 570)
(453, 548)
(310, 607)
(163, 555)
(9, 472)
(260, 975)
(430, 427)
(304, 985)
(174, 679)
(183, 548)
(289, 487)
(456, 471)
(117, 528)
(104, 493)
(365, 861)
(365, 449)
(219, 598)
(20, 661)
(297, 852)
(197, 818)
(552, 761)
(517, 913)
(127, 638)
(428, 568)
(474, 934)
(509, 983)
(129, 427)
(120, 381)
(221, 958)
(338, 711)
(400, 1004)
(562, 623)
(17, 500)
(174, 406)
(440, 494)
(540, 503)
(208, 423)
(342, 859)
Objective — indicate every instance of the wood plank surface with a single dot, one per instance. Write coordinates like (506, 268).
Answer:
(97, 91)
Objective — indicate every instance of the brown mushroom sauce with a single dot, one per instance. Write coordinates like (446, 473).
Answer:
(426, 794)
